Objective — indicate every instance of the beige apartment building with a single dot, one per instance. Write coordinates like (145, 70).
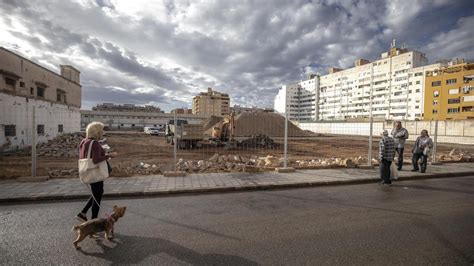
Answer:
(25, 84)
(211, 103)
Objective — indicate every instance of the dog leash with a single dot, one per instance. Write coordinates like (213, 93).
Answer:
(92, 194)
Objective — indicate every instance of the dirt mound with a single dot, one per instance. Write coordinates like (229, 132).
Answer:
(210, 122)
(269, 124)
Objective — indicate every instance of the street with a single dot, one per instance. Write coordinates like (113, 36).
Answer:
(411, 222)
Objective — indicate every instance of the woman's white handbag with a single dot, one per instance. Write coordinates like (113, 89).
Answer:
(89, 172)
(427, 151)
(393, 171)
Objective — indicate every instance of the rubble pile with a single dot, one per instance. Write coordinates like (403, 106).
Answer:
(66, 173)
(352, 162)
(456, 156)
(136, 169)
(259, 141)
(65, 145)
(228, 163)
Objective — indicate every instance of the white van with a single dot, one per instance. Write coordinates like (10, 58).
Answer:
(151, 130)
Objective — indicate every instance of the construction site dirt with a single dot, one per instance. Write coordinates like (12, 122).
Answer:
(139, 154)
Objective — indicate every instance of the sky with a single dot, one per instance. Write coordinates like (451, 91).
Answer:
(165, 52)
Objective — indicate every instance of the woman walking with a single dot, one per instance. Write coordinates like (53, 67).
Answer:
(94, 133)
(421, 150)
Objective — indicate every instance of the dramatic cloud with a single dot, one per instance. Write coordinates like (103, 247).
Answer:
(165, 52)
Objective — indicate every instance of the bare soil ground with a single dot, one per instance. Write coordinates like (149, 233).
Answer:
(133, 148)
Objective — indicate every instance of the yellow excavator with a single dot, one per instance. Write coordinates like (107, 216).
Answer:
(224, 132)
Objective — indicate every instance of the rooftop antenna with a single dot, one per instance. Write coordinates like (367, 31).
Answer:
(394, 43)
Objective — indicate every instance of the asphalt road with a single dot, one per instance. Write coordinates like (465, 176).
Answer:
(411, 222)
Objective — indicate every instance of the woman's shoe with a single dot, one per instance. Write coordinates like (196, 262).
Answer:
(81, 217)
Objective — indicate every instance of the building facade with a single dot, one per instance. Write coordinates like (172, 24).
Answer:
(26, 85)
(449, 92)
(211, 103)
(391, 87)
(119, 120)
(299, 99)
(237, 109)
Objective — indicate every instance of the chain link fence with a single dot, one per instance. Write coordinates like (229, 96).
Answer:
(244, 142)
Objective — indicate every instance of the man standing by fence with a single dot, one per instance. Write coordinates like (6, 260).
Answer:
(386, 155)
(399, 134)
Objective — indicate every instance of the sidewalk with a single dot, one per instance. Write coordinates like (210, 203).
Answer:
(57, 189)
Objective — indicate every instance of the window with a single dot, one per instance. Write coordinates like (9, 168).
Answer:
(32, 91)
(418, 82)
(40, 92)
(60, 96)
(435, 93)
(454, 91)
(133, 125)
(10, 82)
(40, 129)
(60, 129)
(22, 84)
(454, 100)
(10, 130)
(436, 83)
(453, 110)
(417, 90)
(418, 74)
(121, 125)
(451, 81)
(435, 112)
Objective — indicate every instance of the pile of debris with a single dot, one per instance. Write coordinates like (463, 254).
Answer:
(228, 163)
(69, 173)
(456, 156)
(352, 162)
(136, 169)
(65, 145)
(259, 141)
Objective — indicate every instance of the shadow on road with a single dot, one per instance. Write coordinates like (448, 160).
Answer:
(135, 249)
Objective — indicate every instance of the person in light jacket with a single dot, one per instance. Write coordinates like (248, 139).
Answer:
(400, 135)
(94, 133)
(421, 150)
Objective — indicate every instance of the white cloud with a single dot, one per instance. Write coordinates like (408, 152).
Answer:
(166, 52)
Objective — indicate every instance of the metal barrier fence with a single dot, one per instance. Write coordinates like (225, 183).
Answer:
(235, 143)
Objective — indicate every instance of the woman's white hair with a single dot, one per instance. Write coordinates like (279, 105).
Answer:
(94, 130)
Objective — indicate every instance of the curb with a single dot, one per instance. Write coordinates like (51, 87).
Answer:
(254, 187)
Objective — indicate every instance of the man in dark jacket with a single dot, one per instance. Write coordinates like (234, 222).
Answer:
(386, 155)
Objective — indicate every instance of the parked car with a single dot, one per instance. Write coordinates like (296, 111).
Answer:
(152, 131)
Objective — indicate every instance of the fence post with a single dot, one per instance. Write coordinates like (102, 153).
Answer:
(33, 144)
(371, 119)
(435, 142)
(175, 146)
(285, 162)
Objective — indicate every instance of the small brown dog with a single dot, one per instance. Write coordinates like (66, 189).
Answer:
(98, 225)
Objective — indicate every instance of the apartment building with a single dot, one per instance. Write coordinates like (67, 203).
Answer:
(393, 86)
(299, 99)
(211, 103)
(347, 94)
(26, 85)
(449, 92)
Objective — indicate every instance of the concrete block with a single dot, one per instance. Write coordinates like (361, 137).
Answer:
(174, 173)
(284, 170)
(251, 169)
(33, 179)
